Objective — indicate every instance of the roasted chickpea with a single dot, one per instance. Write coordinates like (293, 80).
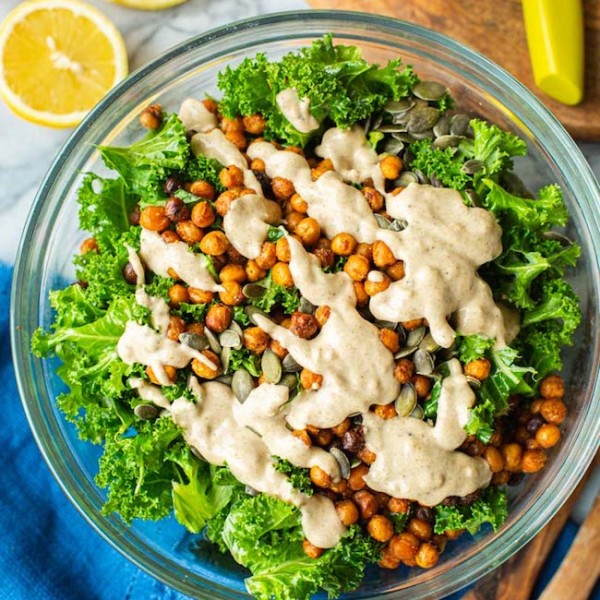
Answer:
(254, 272)
(170, 372)
(412, 324)
(323, 437)
(308, 230)
(366, 251)
(422, 385)
(321, 168)
(282, 275)
(310, 380)
(282, 188)
(552, 386)
(254, 124)
(268, 256)
(382, 255)
(340, 430)
(178, 294)
(189, 233)
(554, 411)
(224, 201)
(232, 294)
(299, 204)
(276, 347)
(170, 237)
(343, 244)
(513, 454)
(198, 296)
(367, 504)
(176, 328)
(214, 243)
(304, 325)
(218, 318)
(398, 506)
(210, 105)
(176, 210)
(88, 245)
(391, 166)
(388, 560)
(422, 529)
(154, 218)
(396, 271)
(427, 556)
(258, 165)
(231, 176)
(151, 116)
(405, 546)
(202, 189)
(533, 461)
(311, 550)
(374, 198)
(325, 256)
(390, 339)
(404, 370)
(322, 314)
(501, 478)
(357, 267)
(362, 298)
(256, 340)
(237, 138)
(233, 257)
(356, 481)
(203, 214)
(235, 124)
(319, 477)
(233, 272)
(302, 434)
(494, 459)
(376, 283)
(385, 411)
(293, 219)
(479, 368)
(282, 250)
(547, 435)
(380, 528)
(205, 371)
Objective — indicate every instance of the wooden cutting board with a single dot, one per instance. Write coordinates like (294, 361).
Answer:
(495, 28)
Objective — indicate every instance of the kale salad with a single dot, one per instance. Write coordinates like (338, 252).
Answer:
(319, 319)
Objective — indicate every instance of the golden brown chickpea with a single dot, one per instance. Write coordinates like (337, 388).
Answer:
(479, 368)
(367, 504)
(282, 250)
(422, 385)
(391, 166)
(357, 267)
(176, 328)
(385, 411)
(178, 294)
(256, 340)
(189, 233)
(500, 478)
(282, 188)
(343, 244)
(308, 231)
(536, 406)
(302, 434)
(151, 116)
(254, 272)
(282, 275)
(225, 200)
(154, 218)
(405, 546)
(170, 237)
(380, 528)
(218, 318)
(231, 177)
(232, 294)
(396, 271)
(237, 138)
(365, 250)
(170, 372)
(310, 380)
(214, 243)
(325, 256)
(548, 435)
(203, 214)
(202, 189)
(552, 386)
(304, 325)
(422, 529)
(531, 444)
(299, 204)
(254, 124)
(176, 210)
(322, 314)
(276, 347)
(268, 256)
(554, 411)
(376, 283)
(390, 339)
(382, 255)
(533, 461)
(311, 550)
(404, 370)
(319, 477)
(427, 556)
(88, 245)
(198, 296)
(374, 198)
(258, 165)
(233, 272)
(210, 105)
(412, 324)
(398, 506)
(235, 124)
(494, 458)
(321, 168)
(204, 371)
(340, 430)
(293, 219)
(362, 298)
(195, 328)
(512, 453)
(356, 481)
(323, 438)
(388, 560)
(366, 455)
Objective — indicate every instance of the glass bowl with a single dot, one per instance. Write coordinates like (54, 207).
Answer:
(52, 236)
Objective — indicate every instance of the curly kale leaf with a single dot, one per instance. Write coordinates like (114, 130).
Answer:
(274, 294)
(299, 478)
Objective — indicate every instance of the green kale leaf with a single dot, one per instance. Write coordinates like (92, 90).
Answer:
(243, 358)
(288, 298)
(299, 478)
(472, 347)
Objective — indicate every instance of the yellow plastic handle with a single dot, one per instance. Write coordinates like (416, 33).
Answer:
(555, 39)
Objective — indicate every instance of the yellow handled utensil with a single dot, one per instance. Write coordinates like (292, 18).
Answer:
(555, 39)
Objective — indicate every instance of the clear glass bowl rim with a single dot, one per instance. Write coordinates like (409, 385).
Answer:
(539, 121)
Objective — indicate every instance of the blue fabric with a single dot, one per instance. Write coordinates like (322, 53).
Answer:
(47, 550)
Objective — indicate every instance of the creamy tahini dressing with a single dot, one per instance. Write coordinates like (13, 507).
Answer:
(357, 368)
(296, 111)
(419, 462)
(196, 117)
(159, 309)
(192, 268)
(211, 425)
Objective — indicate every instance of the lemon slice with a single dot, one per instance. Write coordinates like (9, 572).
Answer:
(148, 4)
(58, 58)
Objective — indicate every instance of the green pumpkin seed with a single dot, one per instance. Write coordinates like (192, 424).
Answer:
(253, 291)
(417, 413)
(225, 379)
(472, 166)
(399, 107)
(196, 341)
(398, 225)
(290, 365)
(473, 196)
(406, 400)
(391, 129)
(429, 344)
(213, 342)
(290, 381)
(234, 325)
(146, 412)
(403, 137)
(342, 461)
(473, 382)
(242, 384)
(230, 339)
(306, 307)
(442, 127)
(557, 237)
(415, 337)
(423, 179)
(383, 324)
(459, 124)
(225, 359)
(425, 135)
(271, 366)
(406, 351)
(252, 311)
(447, 141)
(393, 146)
(432, 91)
(405, 179)
(422, 119)
(382, 221)
(424, 364)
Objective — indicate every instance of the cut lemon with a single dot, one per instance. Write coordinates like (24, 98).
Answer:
(58, 58)
(148, 4)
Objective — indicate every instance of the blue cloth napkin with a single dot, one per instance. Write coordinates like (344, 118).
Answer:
(47, 550)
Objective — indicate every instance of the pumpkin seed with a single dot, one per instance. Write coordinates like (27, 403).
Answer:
(406, 178)
(402, 136)
(435, 182)
(406, 351)
(557, 237)
(393, 146)
(225, 379)
(213, 342)
(290, 365)
(271, 366)
(473, 382)
(432, 91)
(447, 141)
(423, 179)
(425, 135)
(306, 307)
(417, 413)
(391, 128)
(422, 119)
(342, 461)
(290, 381)
(225, 358)
(196, 341)
(399, 107)
(252, 311)
(473, 196)
(429, 344)
(234, 325)
(146, 412)
(398, 225)
(382, 221)
(376, 122)
(442, 127)
(472, 166)
(424, 364)
(253, 291)
(406, 400)
(459, 124)
(415, 337)
(382, 324)
(242, 384)
(230, 339)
